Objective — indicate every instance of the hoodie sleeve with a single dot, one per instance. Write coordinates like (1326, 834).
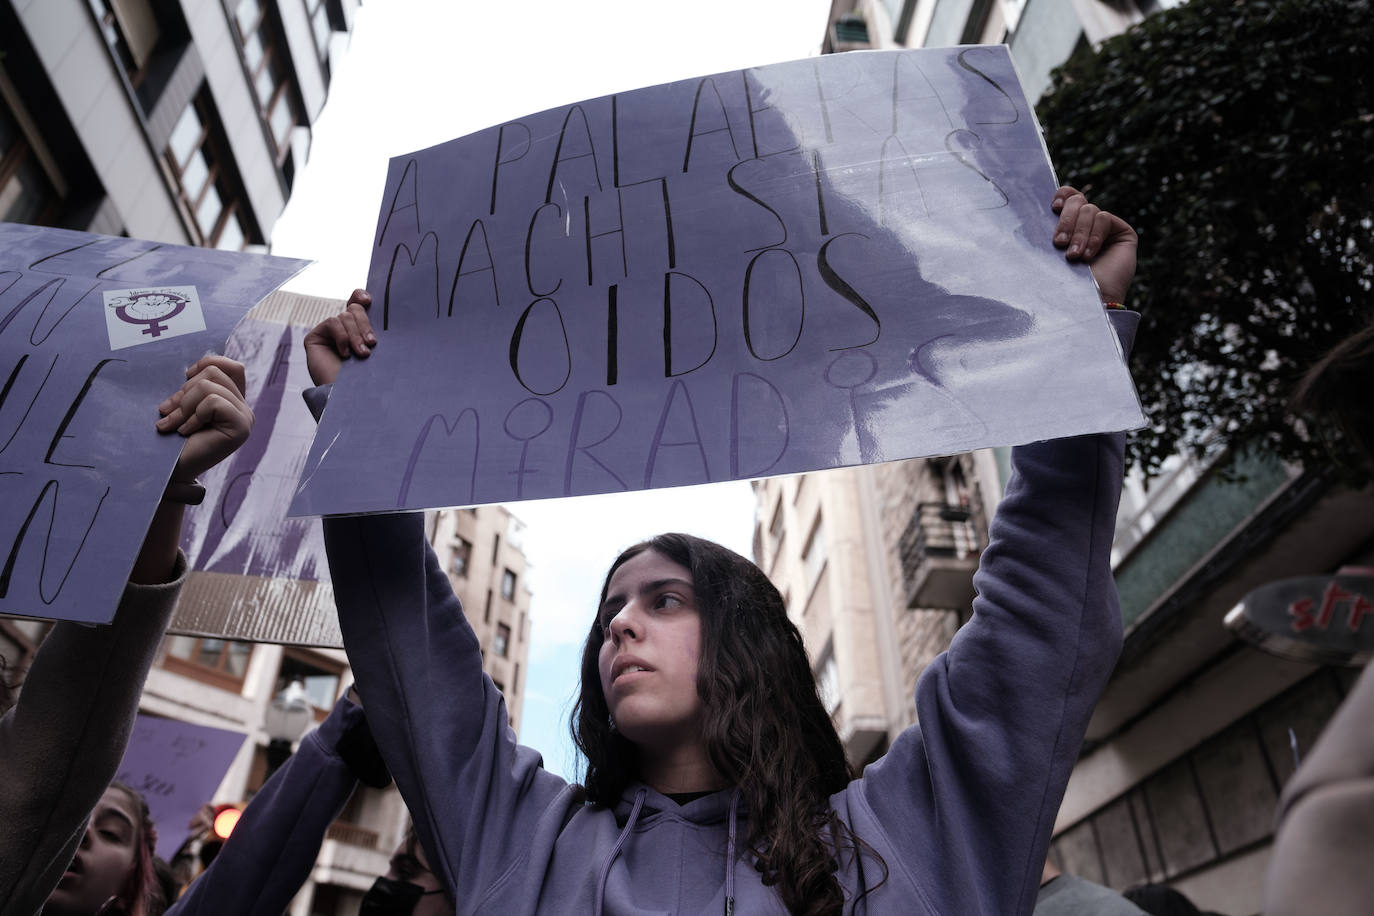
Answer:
(273, 847)
(474, 795)
(62, 742)
(967, 798)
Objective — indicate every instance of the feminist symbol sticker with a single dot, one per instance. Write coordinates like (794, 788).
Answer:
(140, 316)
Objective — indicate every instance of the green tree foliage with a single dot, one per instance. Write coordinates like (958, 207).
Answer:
(1237, 136)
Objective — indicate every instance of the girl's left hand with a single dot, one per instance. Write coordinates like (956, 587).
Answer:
(1102, 240)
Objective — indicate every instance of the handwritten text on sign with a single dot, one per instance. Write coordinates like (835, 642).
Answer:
(806, 265)
(176, 766)
(94, 333)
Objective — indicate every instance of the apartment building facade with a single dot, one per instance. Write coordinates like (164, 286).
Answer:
(182, 121)
(875, 565)
(482, 550)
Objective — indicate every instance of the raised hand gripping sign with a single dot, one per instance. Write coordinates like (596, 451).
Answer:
(814, 264)
(94, 333)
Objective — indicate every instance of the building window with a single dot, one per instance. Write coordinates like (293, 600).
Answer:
(208, 190)
(813, 559)
(221, 662)
(462, 553)
(131, 30)
(508, 585)
(31, 188)
(265, 56)
(321, 677)
(501, 643)
(486, 614)
(320, 28)
(515, 532)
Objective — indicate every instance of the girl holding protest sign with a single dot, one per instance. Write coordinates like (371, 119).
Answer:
(62, 741)
(715, 781)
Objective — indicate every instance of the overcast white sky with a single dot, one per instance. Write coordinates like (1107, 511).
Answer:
(419, 72)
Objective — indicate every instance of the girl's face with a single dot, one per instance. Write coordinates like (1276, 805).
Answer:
(104, 859)
(649, 655)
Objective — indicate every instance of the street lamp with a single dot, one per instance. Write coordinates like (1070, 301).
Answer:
(287, 718)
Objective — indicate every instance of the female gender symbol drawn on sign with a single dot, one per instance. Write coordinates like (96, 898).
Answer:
(151, 308)
(159, 313)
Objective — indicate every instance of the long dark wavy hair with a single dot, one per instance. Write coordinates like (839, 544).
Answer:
(764, 725)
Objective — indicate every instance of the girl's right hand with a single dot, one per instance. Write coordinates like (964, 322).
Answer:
(335, 339)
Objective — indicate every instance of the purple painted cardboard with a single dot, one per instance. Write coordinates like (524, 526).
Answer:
(177, 766)
(242, 526)
(814, 264)
(81, 466)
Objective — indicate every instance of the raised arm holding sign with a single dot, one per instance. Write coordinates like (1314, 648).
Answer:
(715, 781)
(62, 742)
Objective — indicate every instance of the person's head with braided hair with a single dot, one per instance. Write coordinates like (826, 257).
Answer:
(112, 871)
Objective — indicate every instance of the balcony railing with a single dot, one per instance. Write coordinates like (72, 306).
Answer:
(939, 553)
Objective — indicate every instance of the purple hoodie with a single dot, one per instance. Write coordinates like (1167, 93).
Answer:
(960, 809)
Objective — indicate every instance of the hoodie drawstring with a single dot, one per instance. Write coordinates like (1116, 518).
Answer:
(730, 857)
(615, 851)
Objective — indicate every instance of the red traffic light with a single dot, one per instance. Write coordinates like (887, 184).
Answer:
(226, 816)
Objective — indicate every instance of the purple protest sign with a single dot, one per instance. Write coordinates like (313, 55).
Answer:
(814, 264)
(256, 574)
(177, 766)
(94, 333)
(241, 527)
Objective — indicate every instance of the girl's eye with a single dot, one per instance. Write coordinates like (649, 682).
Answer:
(669, 601)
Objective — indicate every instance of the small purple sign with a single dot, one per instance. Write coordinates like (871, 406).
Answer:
(94, 333)
(827, 262)
(241, 527)
(177, 766)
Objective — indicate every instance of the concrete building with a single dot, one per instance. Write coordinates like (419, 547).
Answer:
(179, 121)
(231, 684)
(482, 551)
(876, 567)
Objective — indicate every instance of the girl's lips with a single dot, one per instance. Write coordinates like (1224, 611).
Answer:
(630, 674)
